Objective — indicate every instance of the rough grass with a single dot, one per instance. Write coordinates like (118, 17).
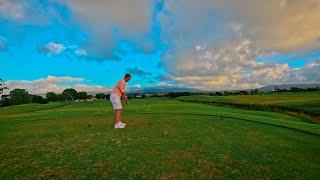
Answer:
(163, 139)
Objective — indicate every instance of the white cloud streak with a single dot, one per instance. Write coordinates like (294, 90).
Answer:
(55, 84)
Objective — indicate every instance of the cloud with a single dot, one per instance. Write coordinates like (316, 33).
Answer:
(92, 89)
(108, 22)
(275, 25)
(215, 45)
(55, 84)
(232, 66)
(81, 52)
(52, 48)
(138, 72)
(210, 44)
(12, 9)
(28, 12)
(310, 73)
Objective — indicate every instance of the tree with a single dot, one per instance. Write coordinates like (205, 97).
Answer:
(82, 95)
(71, 91)
(177, 94)
(51, 96)
(108, 96)
(64, 97)
(256, 91)
(100, 96)
(244, 92)
(2, 87)
(39, 99)
(130, 96)
(4, 101)
(20, 96)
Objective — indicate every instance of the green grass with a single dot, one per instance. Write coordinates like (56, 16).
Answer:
(308, 102)
(163, 139)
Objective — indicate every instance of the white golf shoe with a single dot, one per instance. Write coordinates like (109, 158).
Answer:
(123, 123)
(118, 125)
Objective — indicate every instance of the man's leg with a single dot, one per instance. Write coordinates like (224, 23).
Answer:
(120, 115)
(117, 115)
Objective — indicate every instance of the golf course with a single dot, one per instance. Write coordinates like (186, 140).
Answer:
(164, 139)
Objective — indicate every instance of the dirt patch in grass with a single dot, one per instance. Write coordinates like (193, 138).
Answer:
(174, 175)
(53, 173)
(104, 168)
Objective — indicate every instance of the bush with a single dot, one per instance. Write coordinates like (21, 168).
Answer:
(177, 94)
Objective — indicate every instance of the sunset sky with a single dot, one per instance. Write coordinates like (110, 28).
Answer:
(49, 45)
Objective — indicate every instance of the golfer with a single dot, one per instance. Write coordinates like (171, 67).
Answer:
(119, 91)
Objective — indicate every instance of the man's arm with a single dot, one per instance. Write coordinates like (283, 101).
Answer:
(124, 94)
(125, 98)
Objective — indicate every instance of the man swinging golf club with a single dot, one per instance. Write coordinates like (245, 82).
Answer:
(119, 91)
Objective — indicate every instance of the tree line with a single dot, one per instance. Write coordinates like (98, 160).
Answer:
(22, 96)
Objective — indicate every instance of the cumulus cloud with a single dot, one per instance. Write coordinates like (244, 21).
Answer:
(108, 22)
(13, 9)
(232, 66)
(52, 48)
(210, 43)
(55, 84)
(28, 12)
(216, 43)
(310, 73)
(138, 72)
(272, 25)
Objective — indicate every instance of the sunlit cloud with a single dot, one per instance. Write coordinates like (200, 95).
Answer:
(206, 44)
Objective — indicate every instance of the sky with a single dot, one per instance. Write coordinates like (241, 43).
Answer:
(208, 45)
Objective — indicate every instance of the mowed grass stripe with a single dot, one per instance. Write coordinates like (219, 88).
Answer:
(102, 109)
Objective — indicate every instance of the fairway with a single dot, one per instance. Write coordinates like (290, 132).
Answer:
(307, 102)
(163, 139)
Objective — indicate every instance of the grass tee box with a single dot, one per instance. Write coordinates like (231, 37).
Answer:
(164, 139)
